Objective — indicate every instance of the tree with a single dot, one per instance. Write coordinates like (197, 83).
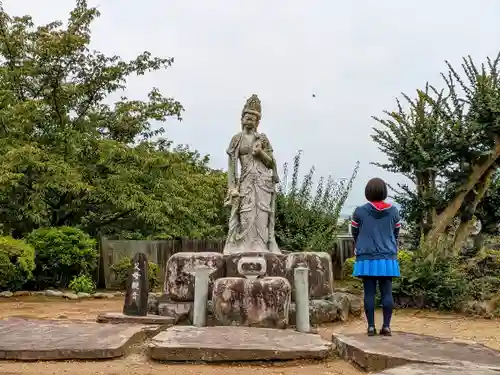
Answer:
(307, 221)
(68, 157)
(448, 144)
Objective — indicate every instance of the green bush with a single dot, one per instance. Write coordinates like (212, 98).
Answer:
(436, 284)
(17, 262)
(62, 254)
(82, 284)
(120, 271)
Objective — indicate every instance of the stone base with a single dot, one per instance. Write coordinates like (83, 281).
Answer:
(213, 344)
(380, 353)
(32, 340)
(117, 318)
(421, 369)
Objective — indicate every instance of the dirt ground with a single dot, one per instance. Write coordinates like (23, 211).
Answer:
(452, 326)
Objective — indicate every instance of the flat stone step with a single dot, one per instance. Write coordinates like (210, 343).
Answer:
(232, 343)
(422, 369)
(380, 353)
(32, 339)
(120, 318)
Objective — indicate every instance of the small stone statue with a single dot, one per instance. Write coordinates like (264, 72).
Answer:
(251, 193)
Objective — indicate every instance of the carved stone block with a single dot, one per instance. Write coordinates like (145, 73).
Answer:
(261, 302)
(180, 273)
(274, 264)
(320, 272)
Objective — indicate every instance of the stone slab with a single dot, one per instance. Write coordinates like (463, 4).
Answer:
(119, 318)
(30, 339)
(215, 344)
(422, 369)
(380, 353)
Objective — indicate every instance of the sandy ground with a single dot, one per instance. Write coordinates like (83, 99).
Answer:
(458, 327)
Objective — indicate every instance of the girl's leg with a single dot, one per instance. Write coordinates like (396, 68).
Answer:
(385, 285)
(370, 288)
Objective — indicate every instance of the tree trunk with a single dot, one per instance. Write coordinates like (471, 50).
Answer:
(464, 227)
(445, 218)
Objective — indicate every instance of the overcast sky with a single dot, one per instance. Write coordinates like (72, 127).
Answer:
(355, 56)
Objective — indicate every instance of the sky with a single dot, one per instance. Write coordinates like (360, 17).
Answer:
(356, 57)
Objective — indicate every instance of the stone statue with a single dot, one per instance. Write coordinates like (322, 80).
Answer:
(251, 192)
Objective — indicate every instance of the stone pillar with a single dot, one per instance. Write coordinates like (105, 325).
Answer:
(301, 284)
(200, 295)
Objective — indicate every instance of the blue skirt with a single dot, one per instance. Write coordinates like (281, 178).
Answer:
(376, 267)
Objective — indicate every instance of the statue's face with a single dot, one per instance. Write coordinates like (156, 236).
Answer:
(249, 121)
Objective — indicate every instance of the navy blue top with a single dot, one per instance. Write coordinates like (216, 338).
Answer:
(375, 229)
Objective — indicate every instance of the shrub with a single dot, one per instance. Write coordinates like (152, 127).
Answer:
(120, 271)
(437, 284)
(17, 262)
(82, 284)
(61, 254)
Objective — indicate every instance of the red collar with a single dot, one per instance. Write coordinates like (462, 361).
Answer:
(381, 205)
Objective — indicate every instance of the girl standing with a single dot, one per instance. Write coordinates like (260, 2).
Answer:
(375, 229)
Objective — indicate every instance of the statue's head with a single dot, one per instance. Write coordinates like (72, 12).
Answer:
(252, 113)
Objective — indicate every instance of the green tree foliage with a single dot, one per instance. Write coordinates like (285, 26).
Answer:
(307, 220)
(71, 157)
(447, 142)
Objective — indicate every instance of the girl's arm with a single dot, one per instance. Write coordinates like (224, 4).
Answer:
(355, 224)
(397, 226)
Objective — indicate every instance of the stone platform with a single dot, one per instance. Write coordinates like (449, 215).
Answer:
(381, 353)
(423, 369)
(117, 318)
(30, 339)
(232, 343)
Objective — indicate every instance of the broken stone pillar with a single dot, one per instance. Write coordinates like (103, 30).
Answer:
(180, 274)
(320, 272)
(301, 278)
(261, 302)
(202, 274)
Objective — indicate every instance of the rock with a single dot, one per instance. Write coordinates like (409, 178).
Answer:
(179, 274)
(82, 295)
(102, 295)
(343, 303)
(404, 348)
(69, 295)
(53, 293)
(481, 308)
(153, 304)
(137, 293)
(188, 343)
(256, 303)
(119, 294)
(39, 293)
(29, 339)
(180, 311)
(320, 272)
(6, 294)
(320, 311)
(62, 316)
(274, 263)
(22, 293)
(117, 318)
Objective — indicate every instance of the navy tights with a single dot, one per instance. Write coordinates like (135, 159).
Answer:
(370, 286)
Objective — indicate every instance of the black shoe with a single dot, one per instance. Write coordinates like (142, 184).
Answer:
(371, 331)
(385, 331)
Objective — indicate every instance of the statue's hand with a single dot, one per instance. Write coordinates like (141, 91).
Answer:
(257, 149)
(233, 193)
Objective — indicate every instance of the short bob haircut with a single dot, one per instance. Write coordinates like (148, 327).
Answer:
(376, 190)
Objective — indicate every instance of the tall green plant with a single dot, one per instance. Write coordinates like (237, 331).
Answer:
(307, 220)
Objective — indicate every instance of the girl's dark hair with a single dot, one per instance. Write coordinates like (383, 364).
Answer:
(376, 190)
